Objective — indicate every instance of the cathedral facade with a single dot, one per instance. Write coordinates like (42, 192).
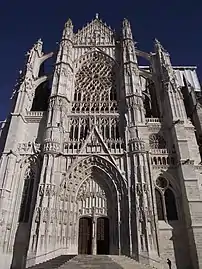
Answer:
(103, 156)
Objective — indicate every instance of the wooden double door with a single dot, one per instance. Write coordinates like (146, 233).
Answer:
(93, 234)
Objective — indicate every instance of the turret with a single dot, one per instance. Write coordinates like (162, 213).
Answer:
(63, 72)
(130, 55)
(169, 84)
(132, 86)
(61, 92)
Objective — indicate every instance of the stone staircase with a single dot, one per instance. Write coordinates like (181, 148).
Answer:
(91, 262)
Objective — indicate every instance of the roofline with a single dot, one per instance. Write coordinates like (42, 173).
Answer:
(175, 67)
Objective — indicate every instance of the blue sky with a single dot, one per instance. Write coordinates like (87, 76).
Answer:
(176, 23)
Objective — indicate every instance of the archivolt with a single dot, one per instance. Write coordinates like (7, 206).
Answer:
(91, 164)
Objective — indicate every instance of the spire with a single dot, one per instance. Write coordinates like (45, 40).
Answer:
(127, 32)
(97, 16)
(68, 30)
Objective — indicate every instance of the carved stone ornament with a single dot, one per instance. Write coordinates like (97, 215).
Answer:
(162, 183)
(139, 189)
(91, 192)
(29, 148)
(95, 87)
(157, 141)
(95, 33)
(51, 147)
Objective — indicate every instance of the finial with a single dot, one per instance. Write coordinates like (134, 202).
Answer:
(68, 29)
(159, 46)
(39, 44)
(127, 32)
(126, 21)
(156, 41)
(97, 16)
(68, 23)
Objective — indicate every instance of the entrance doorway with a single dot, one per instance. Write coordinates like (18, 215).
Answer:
(103, 235)
(86, 238)
(85, 235)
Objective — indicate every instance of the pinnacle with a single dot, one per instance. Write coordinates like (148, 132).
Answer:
(126, 21)
(156, 41)
(68, 23)
(39, 40)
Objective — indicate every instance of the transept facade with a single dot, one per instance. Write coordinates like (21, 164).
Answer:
(103, 156)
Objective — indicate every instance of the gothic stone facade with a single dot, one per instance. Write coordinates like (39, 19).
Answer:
(102, 157)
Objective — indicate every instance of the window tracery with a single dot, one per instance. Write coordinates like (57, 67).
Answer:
(108, 127)
(165, 200)
(156, 141)
(91, 192)
(95, 87)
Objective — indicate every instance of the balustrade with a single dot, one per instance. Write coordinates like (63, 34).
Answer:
(153, 120)
(114, 145)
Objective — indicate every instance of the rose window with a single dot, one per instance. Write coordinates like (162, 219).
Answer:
(156, 141)
(95, 89)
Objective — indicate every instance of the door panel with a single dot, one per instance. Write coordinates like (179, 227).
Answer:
(85, 236)
(102, 235)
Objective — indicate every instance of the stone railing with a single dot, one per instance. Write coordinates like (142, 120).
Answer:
(163, 157)
(160, 151)
(34, 116)
(153, 120)
(114, 145)
(35, 113)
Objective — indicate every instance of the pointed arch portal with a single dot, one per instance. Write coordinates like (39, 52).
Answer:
(98, 202)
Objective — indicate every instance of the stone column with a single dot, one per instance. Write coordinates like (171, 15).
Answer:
(94, 233)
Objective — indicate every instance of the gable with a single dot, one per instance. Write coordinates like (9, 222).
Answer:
(95, 33)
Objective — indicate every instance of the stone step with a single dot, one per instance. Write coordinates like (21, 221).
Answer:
(128, 263)
(91, 262)
(54, 263)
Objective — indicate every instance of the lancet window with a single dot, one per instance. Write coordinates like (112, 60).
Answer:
(108, 127)
(95, 87)
(165, 200)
